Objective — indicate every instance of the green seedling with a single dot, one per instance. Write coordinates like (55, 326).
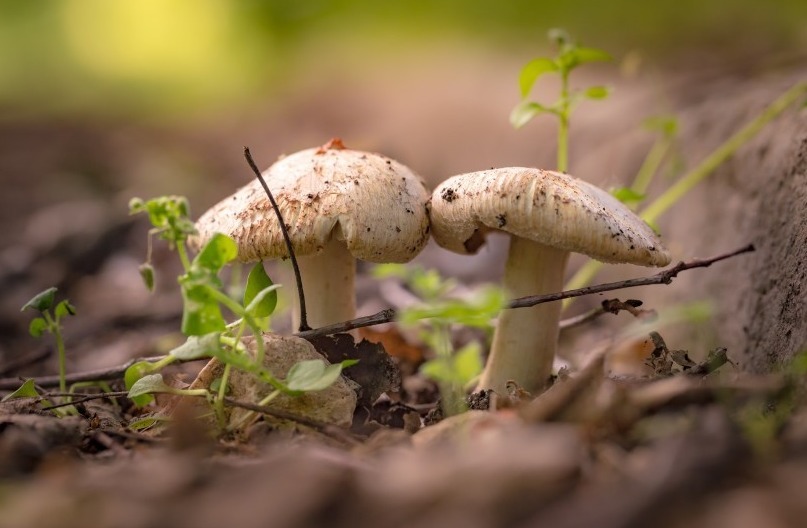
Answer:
(568, 57)
(50, 321)
(435, 316)
(203, 321)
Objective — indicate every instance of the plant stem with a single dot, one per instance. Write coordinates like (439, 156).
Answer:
(218, 405)
(563, 126)
(57, 335)
(671, 196)
(651, 164)
(224, 299)
(183, 255)
(250, 413)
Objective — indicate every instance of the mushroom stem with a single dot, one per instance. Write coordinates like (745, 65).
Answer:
(525, 340)
(328, 280)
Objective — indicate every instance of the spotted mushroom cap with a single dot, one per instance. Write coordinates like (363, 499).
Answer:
(545, 206)
(373, 203)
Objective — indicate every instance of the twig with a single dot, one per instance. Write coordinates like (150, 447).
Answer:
(303, 316)
(388, 315)
(664, 277)
(322, 427)
(109, 373)
(384, 316)
(83, 399)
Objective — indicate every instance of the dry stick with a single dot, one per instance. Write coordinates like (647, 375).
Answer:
(322, 427)
(87, 398)
(104, 374)
(303, 316)
(388, 315)
(664, 277)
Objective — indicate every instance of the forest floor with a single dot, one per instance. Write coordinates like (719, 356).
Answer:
(675, 446)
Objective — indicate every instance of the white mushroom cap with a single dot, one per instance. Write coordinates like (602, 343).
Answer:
(373, 203)
(548, 207)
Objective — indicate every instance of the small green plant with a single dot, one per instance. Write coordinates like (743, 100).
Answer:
(568, 57)
(434, 316)
(50, 321)
(209, 334)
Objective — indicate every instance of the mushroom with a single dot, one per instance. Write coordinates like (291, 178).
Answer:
(338, 205)
(548, 215)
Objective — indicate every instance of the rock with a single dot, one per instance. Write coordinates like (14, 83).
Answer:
(334, 405)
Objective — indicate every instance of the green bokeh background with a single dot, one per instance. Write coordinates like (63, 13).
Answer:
(167, 59)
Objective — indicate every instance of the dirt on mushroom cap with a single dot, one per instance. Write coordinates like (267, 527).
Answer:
(545, 206)
(374, 203)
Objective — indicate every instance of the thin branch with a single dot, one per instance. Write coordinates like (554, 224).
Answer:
(87, 398)
(303, 315)
(325, 428)
(109, 373)
(388, 316)
(384, 316)
(664, 277)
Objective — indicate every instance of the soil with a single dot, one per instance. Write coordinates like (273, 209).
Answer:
(665, 449)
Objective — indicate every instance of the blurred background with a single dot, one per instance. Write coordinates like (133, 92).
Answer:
(104, 100)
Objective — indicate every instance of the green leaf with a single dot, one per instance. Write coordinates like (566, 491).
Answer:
(37, 327)
(438, 369)
(584, 55)
(525, 111)
(41, 301)
(258, 283)
(133, 374)
(168, 214)
(196, 347)
(467, 363)
(150, 384)
(145, 422)
(64, 308)
(312, 375)
(218, 251)
(429, 284)
(667, 125)
(459, 369)
(201, 313)
(571, 57)
(476, 311)
(215, 385)
(26, 390)
(383, 271)
(597, 92)
(136, 205)
(626, 195)
(147, 274)
(532, 71)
